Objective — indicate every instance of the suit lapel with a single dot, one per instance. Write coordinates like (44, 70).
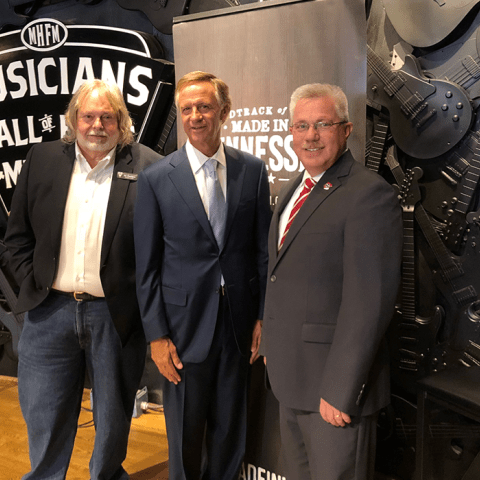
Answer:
(235, 176)
(325, 187)
(283, 199)
(184, 181)
(116, 200)
(61, 184)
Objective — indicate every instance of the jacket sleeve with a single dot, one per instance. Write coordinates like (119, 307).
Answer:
(148, 235)
(20, 237)
(371, 277)
(263, 217)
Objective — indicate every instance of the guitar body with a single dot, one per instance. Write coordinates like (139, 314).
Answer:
(8, 16)
(408, 18)
(428, 117)
(159, 12)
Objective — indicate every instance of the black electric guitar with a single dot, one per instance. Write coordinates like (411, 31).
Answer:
(428, 117)
(412, 336)
(448, 271)
(427, 22)
(159, 12)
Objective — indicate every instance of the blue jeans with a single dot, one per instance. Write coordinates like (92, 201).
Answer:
(60, 339)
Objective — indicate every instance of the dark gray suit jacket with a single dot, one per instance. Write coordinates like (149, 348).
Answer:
(34, 229)
(331, 291)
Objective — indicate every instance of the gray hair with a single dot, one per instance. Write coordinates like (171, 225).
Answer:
(114, 96)
(317, 90)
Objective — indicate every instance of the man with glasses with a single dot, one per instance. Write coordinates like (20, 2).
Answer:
(334, 270)
(70, 235)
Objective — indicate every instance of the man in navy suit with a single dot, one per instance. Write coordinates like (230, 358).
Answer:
(201, 228)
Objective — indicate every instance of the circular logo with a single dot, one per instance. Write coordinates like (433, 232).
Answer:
(44, 34)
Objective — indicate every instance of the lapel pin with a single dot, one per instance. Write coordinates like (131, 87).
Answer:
(327, 186)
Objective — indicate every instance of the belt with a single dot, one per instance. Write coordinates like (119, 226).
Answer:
(78, 296)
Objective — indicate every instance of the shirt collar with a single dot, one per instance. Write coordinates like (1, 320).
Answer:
(197, 158)
(103, 164)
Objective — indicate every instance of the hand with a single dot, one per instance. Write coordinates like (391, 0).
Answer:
(256, 339)
(164, 354)
(333, 416)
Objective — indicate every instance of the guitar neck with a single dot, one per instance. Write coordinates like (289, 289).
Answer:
(377, 145)
(172, 115)
(393, 82)
(470, 182)
(408, 266)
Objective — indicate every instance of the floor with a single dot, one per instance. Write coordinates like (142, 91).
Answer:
(147, 457)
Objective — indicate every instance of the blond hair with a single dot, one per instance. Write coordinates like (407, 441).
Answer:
(221, 88)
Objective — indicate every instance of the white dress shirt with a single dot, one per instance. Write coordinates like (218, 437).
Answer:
(83, 225)
(197, 159)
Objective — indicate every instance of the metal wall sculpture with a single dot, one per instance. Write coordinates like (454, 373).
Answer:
(423, 98)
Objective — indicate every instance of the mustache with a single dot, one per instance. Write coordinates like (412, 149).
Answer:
(97, 133)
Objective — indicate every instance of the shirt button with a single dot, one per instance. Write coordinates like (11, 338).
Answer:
(273, 278)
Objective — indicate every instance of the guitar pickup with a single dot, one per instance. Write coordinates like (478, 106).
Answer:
(408, 365)
(426, 117)
(408, 353)
(465, 295)
(408, 326)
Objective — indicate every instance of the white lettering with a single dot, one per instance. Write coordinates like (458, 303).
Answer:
(55, 33)
(280, 125)
(142, 90)
(20, 81)
(12, 175)
(5, 135)
(259, 150)
(3, 87)
(19, 141)
(42, 66)
(64, 75)
(31, 131)
(84, 68)
(32, 79)
(40, 37)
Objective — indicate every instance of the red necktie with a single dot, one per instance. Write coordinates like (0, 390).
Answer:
(307, 188)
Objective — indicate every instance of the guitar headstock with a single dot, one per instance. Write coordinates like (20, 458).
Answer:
(410, 193)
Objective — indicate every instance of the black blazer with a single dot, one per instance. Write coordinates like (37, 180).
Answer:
(179, 262)
(331, 292)
(34, 229)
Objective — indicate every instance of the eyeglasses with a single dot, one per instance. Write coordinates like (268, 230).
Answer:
(303, 127)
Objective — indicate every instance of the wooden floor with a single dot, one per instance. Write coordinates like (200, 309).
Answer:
(147, 448)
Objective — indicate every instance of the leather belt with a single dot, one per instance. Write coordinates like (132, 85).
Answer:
(78, 296)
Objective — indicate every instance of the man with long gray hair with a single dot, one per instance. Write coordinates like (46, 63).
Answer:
(70, 235)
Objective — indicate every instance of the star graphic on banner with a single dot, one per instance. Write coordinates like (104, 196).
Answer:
(2, 176)
(271, 178)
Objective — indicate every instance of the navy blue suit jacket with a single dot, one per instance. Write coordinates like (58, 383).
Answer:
(178, 260)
